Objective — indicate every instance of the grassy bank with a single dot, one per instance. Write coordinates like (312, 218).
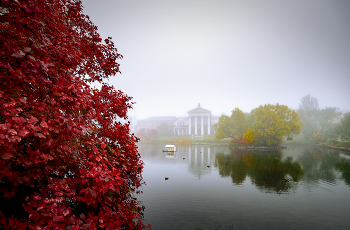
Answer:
(226, 141)
(338, 144)
(335, 144)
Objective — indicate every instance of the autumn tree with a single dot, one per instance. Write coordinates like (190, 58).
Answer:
(66, 163)
(266, 125)
(274, 122)
(249, 135)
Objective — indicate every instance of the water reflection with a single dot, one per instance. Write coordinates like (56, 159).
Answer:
(344, 167)
(200, 158)
(265, 169)
(319, 165)
(276, 171)
(295, 188)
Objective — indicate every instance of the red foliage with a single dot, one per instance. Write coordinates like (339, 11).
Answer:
(146, 133)
(65, 161)
(241, 140)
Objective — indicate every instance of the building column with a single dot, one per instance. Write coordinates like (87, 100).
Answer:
(202, 125)
(195, 125)
(202, 157)
(189, 125)
(209, 123)
(195, 155)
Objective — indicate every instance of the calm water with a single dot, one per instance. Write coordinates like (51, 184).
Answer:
(211, 187)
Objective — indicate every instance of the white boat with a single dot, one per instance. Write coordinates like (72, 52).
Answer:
(170, 148)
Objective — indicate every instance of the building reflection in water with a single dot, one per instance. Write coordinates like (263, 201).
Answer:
(200, 158)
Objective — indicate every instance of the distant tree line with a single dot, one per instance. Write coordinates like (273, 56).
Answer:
(323, 124)
(264, 126)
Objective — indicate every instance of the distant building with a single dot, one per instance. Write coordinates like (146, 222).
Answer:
(199, 122)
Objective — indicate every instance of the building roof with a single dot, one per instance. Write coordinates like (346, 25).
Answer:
(159, 119)
(199, 109)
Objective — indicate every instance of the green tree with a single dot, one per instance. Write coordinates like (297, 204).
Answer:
(327, 116)
(331, 132)
(308, 112)
(316, 119)
(238, 122)
(309, 118)
(224, 127)
(344, 127)
(308, 102)
(231, 126)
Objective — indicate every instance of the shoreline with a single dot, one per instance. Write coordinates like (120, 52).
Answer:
(333, 147)
(283, 146)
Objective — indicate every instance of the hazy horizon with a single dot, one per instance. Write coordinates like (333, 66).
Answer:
(227, 54)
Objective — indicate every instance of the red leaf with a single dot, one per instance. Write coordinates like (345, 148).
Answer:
(82, 216)
(39, 135)
(23, 133)
(12, 132)
(27, 49)
(58, 218)
(44, 124)
(93, 192)
(7, 156)
(18, 54)
(32, 120)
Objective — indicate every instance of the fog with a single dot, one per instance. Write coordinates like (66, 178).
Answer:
(227, 54)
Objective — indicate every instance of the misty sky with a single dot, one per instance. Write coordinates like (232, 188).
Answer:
(227, 54)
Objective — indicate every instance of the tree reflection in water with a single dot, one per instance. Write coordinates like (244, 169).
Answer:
(266, 170)
(319, 165)
(344, 167)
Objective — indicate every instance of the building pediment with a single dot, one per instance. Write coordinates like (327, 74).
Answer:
(199, 109)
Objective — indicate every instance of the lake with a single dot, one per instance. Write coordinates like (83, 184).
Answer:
(212, 187)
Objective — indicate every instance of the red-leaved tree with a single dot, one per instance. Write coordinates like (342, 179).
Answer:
(66, 163)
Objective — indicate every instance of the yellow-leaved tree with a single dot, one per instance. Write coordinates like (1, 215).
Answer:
(273, 122)
(250, 135)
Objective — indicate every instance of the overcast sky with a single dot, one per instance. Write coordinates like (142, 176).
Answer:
(227, 53)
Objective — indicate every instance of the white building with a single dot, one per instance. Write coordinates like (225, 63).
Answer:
(197, 124)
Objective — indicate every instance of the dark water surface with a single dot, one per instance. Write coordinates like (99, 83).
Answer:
(212, 187)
